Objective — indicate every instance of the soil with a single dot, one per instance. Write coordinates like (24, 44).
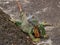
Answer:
(10, 34)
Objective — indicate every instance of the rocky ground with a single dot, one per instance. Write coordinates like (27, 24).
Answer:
(10, 34)
(45, 10)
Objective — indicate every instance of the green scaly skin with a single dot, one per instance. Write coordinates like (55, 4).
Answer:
(28, 29)
(18, 23)
(43, 32)
(25, 27)
(29, 32)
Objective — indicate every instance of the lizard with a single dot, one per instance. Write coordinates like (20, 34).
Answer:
(30, 27)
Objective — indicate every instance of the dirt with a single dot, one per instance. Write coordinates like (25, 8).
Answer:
(10, 34)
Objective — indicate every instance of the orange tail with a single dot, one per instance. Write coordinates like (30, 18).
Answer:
(19, 5)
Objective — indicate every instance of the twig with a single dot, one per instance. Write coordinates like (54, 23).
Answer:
(19, 5)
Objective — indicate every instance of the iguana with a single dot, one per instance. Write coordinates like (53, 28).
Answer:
(32, 27)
